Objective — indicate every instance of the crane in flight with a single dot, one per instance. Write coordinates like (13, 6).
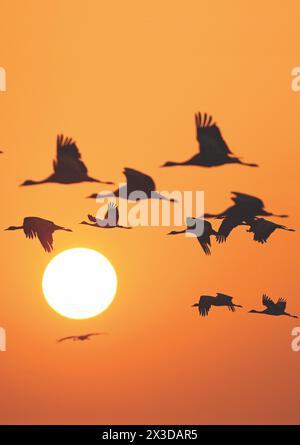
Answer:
(110, 221)
(80, 337)
(34, 226)
(206, 302)
(204, 238)
(137, 182)
(262, 229)
(273, 308)
(213, 150)
(68, 166)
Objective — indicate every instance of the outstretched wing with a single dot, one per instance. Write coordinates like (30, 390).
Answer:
(68, 159)
(41, 228)
(93, 333)
(262, 229)
(204, 305)
(92, 218)
(205, 243)
(66, 338)
(281, 303)
(243, 198)
(228, 224)
(208, 227)
(209, 136)
(224, 297)
(112, 214)
(266, 301)
(138, 181)
(226, 300)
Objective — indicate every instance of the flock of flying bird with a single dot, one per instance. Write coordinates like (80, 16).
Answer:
(247, 210)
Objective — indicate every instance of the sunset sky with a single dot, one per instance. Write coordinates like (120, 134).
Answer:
(124, 79)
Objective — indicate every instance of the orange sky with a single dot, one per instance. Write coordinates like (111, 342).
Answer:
(124, 79)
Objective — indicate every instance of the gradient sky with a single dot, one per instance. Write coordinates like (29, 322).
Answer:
(124, 79)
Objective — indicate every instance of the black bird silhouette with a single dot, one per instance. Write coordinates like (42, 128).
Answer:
(213, 149)
(80, 337)
(249, 205)
(206, 301)
(262, 229)
(273, 308)
(204, 239)
(244, 210)
(136, 181)
(110, 221)
(68, 166)
(42, 228)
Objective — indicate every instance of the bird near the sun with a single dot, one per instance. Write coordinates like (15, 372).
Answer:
(136, 182)
(206, 301)
(68, 166)
(80, 337)
(110, 221)
(34, 226)
(273, 308)
(213, 149)
(262, 229)
(204, 239)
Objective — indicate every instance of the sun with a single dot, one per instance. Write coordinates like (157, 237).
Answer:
(79, 283)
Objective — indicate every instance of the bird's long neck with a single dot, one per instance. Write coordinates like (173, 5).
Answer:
(175, 232)
(172, 164)
(89, 224)
(15, 227)
(32, 182)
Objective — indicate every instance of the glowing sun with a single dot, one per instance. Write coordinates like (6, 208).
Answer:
(79, 283)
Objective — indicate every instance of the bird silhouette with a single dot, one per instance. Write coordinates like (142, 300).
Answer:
(273, 308)
(80, 337)
(34, 226)
(206, 301)
(136, 181)
(204, 239)
(262, 229)
(244, 210)
(213, 149)
(68, 166)
(110, 221)
(250, 206)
